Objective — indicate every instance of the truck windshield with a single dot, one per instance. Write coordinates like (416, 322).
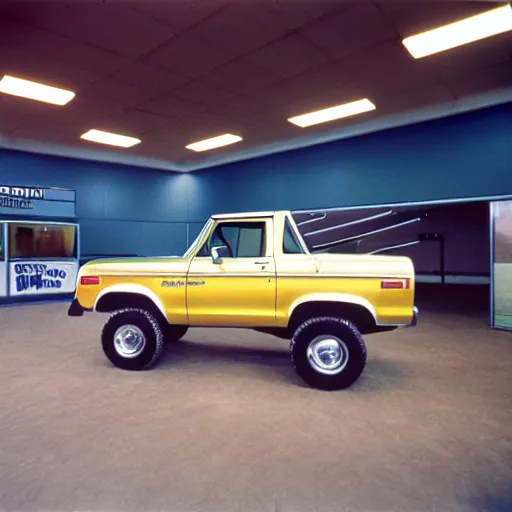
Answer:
(194, 244)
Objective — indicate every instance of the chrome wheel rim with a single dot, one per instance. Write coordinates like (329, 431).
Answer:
(129, 341)
(327, 354)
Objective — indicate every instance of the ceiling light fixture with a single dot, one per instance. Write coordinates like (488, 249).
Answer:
(35, 91)
(214, 142)
(468, 30)
(333, 113)
(112, 139)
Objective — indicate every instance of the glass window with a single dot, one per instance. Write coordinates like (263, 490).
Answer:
(243, 239)
(250, 241)
(228, 235)
(291, 244)
(27, 240)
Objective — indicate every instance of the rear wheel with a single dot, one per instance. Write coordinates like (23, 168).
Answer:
(328, 353)
(132, 339)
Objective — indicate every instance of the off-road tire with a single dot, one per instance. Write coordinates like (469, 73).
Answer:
(147, 323)
(354, 348)
(173, 333)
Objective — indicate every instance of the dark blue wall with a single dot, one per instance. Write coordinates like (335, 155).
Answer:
(120, 209)
(461, 156)
(141, 211)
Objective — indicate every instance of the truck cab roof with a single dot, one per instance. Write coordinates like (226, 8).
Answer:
(246, 215)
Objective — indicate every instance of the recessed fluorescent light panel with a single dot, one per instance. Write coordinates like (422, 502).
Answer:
(333, 113)
(112, 139)
(475, 28)
(35, 91)
(214, 142)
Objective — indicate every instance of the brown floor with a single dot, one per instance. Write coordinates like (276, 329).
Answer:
(224, 424)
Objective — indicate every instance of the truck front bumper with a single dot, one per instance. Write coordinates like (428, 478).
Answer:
(75, 309)
(415, 315)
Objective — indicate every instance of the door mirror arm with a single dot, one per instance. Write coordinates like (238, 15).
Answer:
(216, 259)
(218, 252)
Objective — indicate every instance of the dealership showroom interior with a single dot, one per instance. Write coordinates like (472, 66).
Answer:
(256, 255)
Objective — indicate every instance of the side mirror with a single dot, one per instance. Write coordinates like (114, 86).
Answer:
(219, 252)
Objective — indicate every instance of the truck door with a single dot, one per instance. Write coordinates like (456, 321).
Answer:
(239, 289)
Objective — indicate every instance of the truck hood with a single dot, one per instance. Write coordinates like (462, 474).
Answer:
(130, 266)
(365, 264)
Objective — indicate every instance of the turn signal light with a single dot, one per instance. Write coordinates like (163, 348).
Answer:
(396, 284)
(87, 280)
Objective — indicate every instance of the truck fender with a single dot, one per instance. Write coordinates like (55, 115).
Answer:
(131, 288)
(333, 297)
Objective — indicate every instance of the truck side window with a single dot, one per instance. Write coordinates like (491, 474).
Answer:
(290, 243)
(251, 240)
(243, 239)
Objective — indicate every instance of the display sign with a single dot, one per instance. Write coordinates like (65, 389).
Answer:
(501, 264)
(19, 197)
(33, 277)
(37, 201)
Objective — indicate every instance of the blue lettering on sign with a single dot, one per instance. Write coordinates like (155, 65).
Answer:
(37, 276)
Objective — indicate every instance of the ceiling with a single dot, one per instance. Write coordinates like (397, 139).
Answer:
(178, 71)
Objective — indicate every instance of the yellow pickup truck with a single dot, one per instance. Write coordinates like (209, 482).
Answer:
(254, 271)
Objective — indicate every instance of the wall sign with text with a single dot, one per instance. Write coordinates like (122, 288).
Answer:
(42, 277)
(37, 201)
(19, 197)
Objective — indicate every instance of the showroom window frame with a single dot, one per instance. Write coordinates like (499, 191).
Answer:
(492, 240)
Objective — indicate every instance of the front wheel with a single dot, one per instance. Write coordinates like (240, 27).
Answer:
(328, 353)
(132, 339)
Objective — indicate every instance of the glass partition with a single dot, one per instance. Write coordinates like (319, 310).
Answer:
(29, 240)
(501, 264)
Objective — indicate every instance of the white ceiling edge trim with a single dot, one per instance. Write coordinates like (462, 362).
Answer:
(440, 110)
(43, 148)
